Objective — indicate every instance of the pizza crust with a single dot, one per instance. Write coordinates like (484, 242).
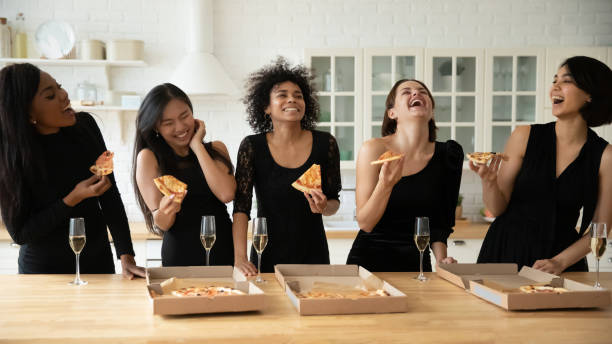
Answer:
(169, 185)
(386, 156)
(103, 165)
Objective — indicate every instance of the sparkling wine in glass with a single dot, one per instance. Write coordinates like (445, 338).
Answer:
(208, 235)
(598, 244)
(76, 238)
(421, 239)
(260, 240)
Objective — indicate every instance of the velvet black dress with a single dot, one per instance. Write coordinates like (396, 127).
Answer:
(41, 228)
(181, 244)
(431, 192)
(295, 234)
(541, 217)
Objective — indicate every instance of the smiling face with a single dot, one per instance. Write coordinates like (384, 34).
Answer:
(177, 125)
(286, 103)
(50, 109)
(412, 100)
(566, 97)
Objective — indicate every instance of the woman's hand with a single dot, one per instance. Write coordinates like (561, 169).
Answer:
(390, 173)
(488, 173)
(93, 186)
(168, 206)
(198, 136)
(552, 266)
(246, 267)
(317, 201)
(129, 269)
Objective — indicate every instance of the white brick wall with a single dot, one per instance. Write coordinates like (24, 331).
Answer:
(249, 33)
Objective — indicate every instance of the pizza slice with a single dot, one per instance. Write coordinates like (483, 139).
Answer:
(542, 289)
(310, 180)
(104, 164)
(169, 185)
(387, 156)
(480, 158)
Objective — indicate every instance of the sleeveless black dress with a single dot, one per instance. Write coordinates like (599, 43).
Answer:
(541, 217)
(431, 192)
(181, 244)
(295, 234)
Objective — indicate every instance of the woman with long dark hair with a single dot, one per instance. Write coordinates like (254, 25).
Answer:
(423, 183)
(46, 150)
(553, 170)
(169, 140)
(283, 110)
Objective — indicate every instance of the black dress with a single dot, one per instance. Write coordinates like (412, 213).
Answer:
(42, 227)
(431, 192)
(540, 220)
(295, 234)
(181, 244)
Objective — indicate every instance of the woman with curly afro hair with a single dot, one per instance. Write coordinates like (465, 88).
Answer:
(282, 109)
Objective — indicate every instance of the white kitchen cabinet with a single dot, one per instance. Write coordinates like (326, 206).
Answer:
(455, 78)
(338, 79)
(464, 250)
(382, 68)
(8, 257)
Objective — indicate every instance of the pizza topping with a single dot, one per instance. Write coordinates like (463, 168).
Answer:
(481, 158)
(387, 156)
(104, 164)
(546, 288)
(208, 291)
(169, 185)
(324, 290)
(310, 180)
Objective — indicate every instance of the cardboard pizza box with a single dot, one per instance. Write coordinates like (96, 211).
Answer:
(500, 283)
(165, 304)
(296, 278)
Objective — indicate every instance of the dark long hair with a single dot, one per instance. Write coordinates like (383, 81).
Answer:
(19, 153)
(595, 78)
(390, 125)
(149, 114)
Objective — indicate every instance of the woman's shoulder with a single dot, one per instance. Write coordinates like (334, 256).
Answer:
(453, 154)
(146, 157)
(85, 119)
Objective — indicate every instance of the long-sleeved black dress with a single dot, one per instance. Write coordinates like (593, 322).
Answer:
(42, 226)
(295, 234)
(431, 192)
(540, 220)
(181, 245)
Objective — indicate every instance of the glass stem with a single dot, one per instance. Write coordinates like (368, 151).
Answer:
(597, 268)
(421, 263)
(259, 266)
(78, 270)
(207, 257)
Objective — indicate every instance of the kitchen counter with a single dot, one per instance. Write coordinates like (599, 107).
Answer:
(463, 230)
(110, 309)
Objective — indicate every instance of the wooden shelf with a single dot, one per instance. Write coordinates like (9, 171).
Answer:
(74, 62)
(101, 108)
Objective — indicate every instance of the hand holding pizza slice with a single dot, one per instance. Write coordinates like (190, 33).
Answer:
(169, 185)
(481, 158)
(104, 164)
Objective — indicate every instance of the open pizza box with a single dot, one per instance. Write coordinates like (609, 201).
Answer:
(344, 279)
(161, 281)
(500, 283)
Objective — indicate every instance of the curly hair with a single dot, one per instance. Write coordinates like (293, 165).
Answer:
(260, 83)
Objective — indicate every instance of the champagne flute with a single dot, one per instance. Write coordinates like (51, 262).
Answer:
(208, 235)
(598, 244)
(421, 239)
(260, 240)
(76, 238)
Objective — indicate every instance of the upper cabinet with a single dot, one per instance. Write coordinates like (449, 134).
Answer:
(338, 79)
(480, 95)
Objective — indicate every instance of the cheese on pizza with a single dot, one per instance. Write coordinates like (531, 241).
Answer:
(483, 157)
(542, 289)
(104, 164)
(323, 290)
(311, 179)
(169, 185)
(387, 156)
(208, 291)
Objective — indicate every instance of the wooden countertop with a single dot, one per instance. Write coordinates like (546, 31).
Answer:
(45, 308)
(463, 230)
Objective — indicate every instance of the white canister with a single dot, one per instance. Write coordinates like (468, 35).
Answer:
(124, 49)
(91, 49)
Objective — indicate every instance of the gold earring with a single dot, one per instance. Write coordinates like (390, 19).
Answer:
(33, 121)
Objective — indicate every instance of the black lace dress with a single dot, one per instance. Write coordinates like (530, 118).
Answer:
(431, 192)
(295, 234)
(541, 217)
(181, 244)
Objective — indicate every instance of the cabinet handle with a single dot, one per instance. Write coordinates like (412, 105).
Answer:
(458, 242)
